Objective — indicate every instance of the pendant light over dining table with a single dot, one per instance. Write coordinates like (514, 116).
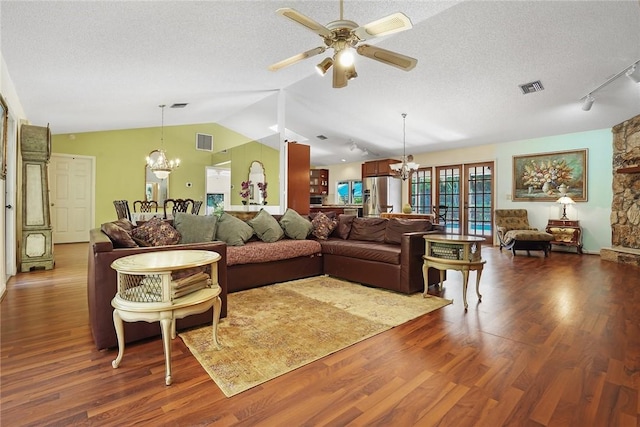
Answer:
(159, 164)
(404, 169)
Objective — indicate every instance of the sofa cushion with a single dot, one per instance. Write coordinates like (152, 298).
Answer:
(368, 229)
(232, 230)
(396, 227)
(266, 227)
(156, 232)
(257, 251)
(120, 237)
(323, 226)
(125, 223)
(295, 226)
(362, 249)
(195, 228)
(344, 226)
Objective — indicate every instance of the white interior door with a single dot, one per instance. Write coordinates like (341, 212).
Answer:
(71, 182)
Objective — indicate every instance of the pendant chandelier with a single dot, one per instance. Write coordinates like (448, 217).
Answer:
(159, 165)
(404, 169)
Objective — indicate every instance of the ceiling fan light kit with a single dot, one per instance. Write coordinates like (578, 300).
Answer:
(343, 37)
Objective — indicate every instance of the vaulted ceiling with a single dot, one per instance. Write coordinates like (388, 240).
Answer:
(102, 65)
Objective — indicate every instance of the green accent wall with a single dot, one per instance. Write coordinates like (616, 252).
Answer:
(120, 161)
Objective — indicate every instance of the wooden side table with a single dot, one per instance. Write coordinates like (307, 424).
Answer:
(146, 292)
(566, 232)
(453, 252)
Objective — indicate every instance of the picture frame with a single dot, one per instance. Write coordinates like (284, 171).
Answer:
(536, 177)
(4, 117)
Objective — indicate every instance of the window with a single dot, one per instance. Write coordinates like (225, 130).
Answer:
(420, 191)
(349, 192)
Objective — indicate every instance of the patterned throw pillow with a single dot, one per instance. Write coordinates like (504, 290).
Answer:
(323, 226)
(156, 232)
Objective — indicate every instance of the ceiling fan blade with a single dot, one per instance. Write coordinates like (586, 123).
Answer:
(339, 75)
(305, 21)
(296, 58)
(388, 57)
(393, 23)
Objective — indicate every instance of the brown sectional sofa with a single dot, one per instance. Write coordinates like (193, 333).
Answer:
(377, 253)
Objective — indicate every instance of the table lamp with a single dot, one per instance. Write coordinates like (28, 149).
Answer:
(564, 201)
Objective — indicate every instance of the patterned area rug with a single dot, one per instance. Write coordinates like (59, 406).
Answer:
(277, 328)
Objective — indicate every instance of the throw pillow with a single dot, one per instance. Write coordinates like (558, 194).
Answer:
(295, 226)
(232, 230)
(344, 226)
(157, 232)
(125, 223)
(266, 227)
(396, 227)
(195, 228)
(323, 226)
(368, 229)
(120, 237)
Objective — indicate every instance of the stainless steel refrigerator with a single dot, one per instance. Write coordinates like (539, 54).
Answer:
(381, 194)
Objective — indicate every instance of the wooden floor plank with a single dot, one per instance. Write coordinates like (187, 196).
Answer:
(554, 342)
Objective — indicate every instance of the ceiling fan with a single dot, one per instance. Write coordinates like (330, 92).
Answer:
(343, 36)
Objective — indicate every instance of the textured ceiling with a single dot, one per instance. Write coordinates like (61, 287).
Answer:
(90, 65)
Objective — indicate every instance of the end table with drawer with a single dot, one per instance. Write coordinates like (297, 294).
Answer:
(566, 232)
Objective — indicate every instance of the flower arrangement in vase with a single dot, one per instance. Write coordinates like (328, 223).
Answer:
(262, 186)
(245, 192)
(546, 175)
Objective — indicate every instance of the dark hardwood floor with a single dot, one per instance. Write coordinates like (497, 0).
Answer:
(554, 342)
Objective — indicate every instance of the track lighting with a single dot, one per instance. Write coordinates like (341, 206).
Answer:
(353, 146)
(632, 71)
(588, 102)
(324, 66)
(365, 152)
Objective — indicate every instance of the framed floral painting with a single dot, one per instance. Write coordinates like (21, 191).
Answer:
(537, 177)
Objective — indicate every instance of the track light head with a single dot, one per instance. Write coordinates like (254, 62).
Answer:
(634, 73)
(353, 146)
(588, 102)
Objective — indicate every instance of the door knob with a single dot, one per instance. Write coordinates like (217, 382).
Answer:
(8, 206)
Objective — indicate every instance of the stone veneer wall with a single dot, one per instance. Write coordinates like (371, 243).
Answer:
(625, 207)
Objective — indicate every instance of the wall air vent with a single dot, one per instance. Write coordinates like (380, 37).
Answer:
(204, 142)
(531, 87)
(179, 105)
(321, 137)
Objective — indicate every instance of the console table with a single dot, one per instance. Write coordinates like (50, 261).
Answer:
(453, 252)
(147, 292)
(566, 232)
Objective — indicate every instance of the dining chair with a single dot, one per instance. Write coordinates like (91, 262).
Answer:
(177, 205)
(145, 206)
(196, 207)
(122, 209)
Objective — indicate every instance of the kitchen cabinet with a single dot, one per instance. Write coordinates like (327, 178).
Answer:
(319, 182)
(377, 168)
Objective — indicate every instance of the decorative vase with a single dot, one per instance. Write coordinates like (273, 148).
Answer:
(545, 187)
(406, 208)
(563, 189)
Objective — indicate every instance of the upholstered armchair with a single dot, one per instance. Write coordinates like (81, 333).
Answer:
(515, 233)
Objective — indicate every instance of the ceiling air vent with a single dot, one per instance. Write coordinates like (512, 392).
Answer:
(531, 87)
(321, 137)
(204, 142)
(179, 105)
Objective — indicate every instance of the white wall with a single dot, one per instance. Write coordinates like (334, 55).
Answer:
(594, 214)
(8, 217)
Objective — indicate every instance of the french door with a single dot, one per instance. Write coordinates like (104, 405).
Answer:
(464, 198)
